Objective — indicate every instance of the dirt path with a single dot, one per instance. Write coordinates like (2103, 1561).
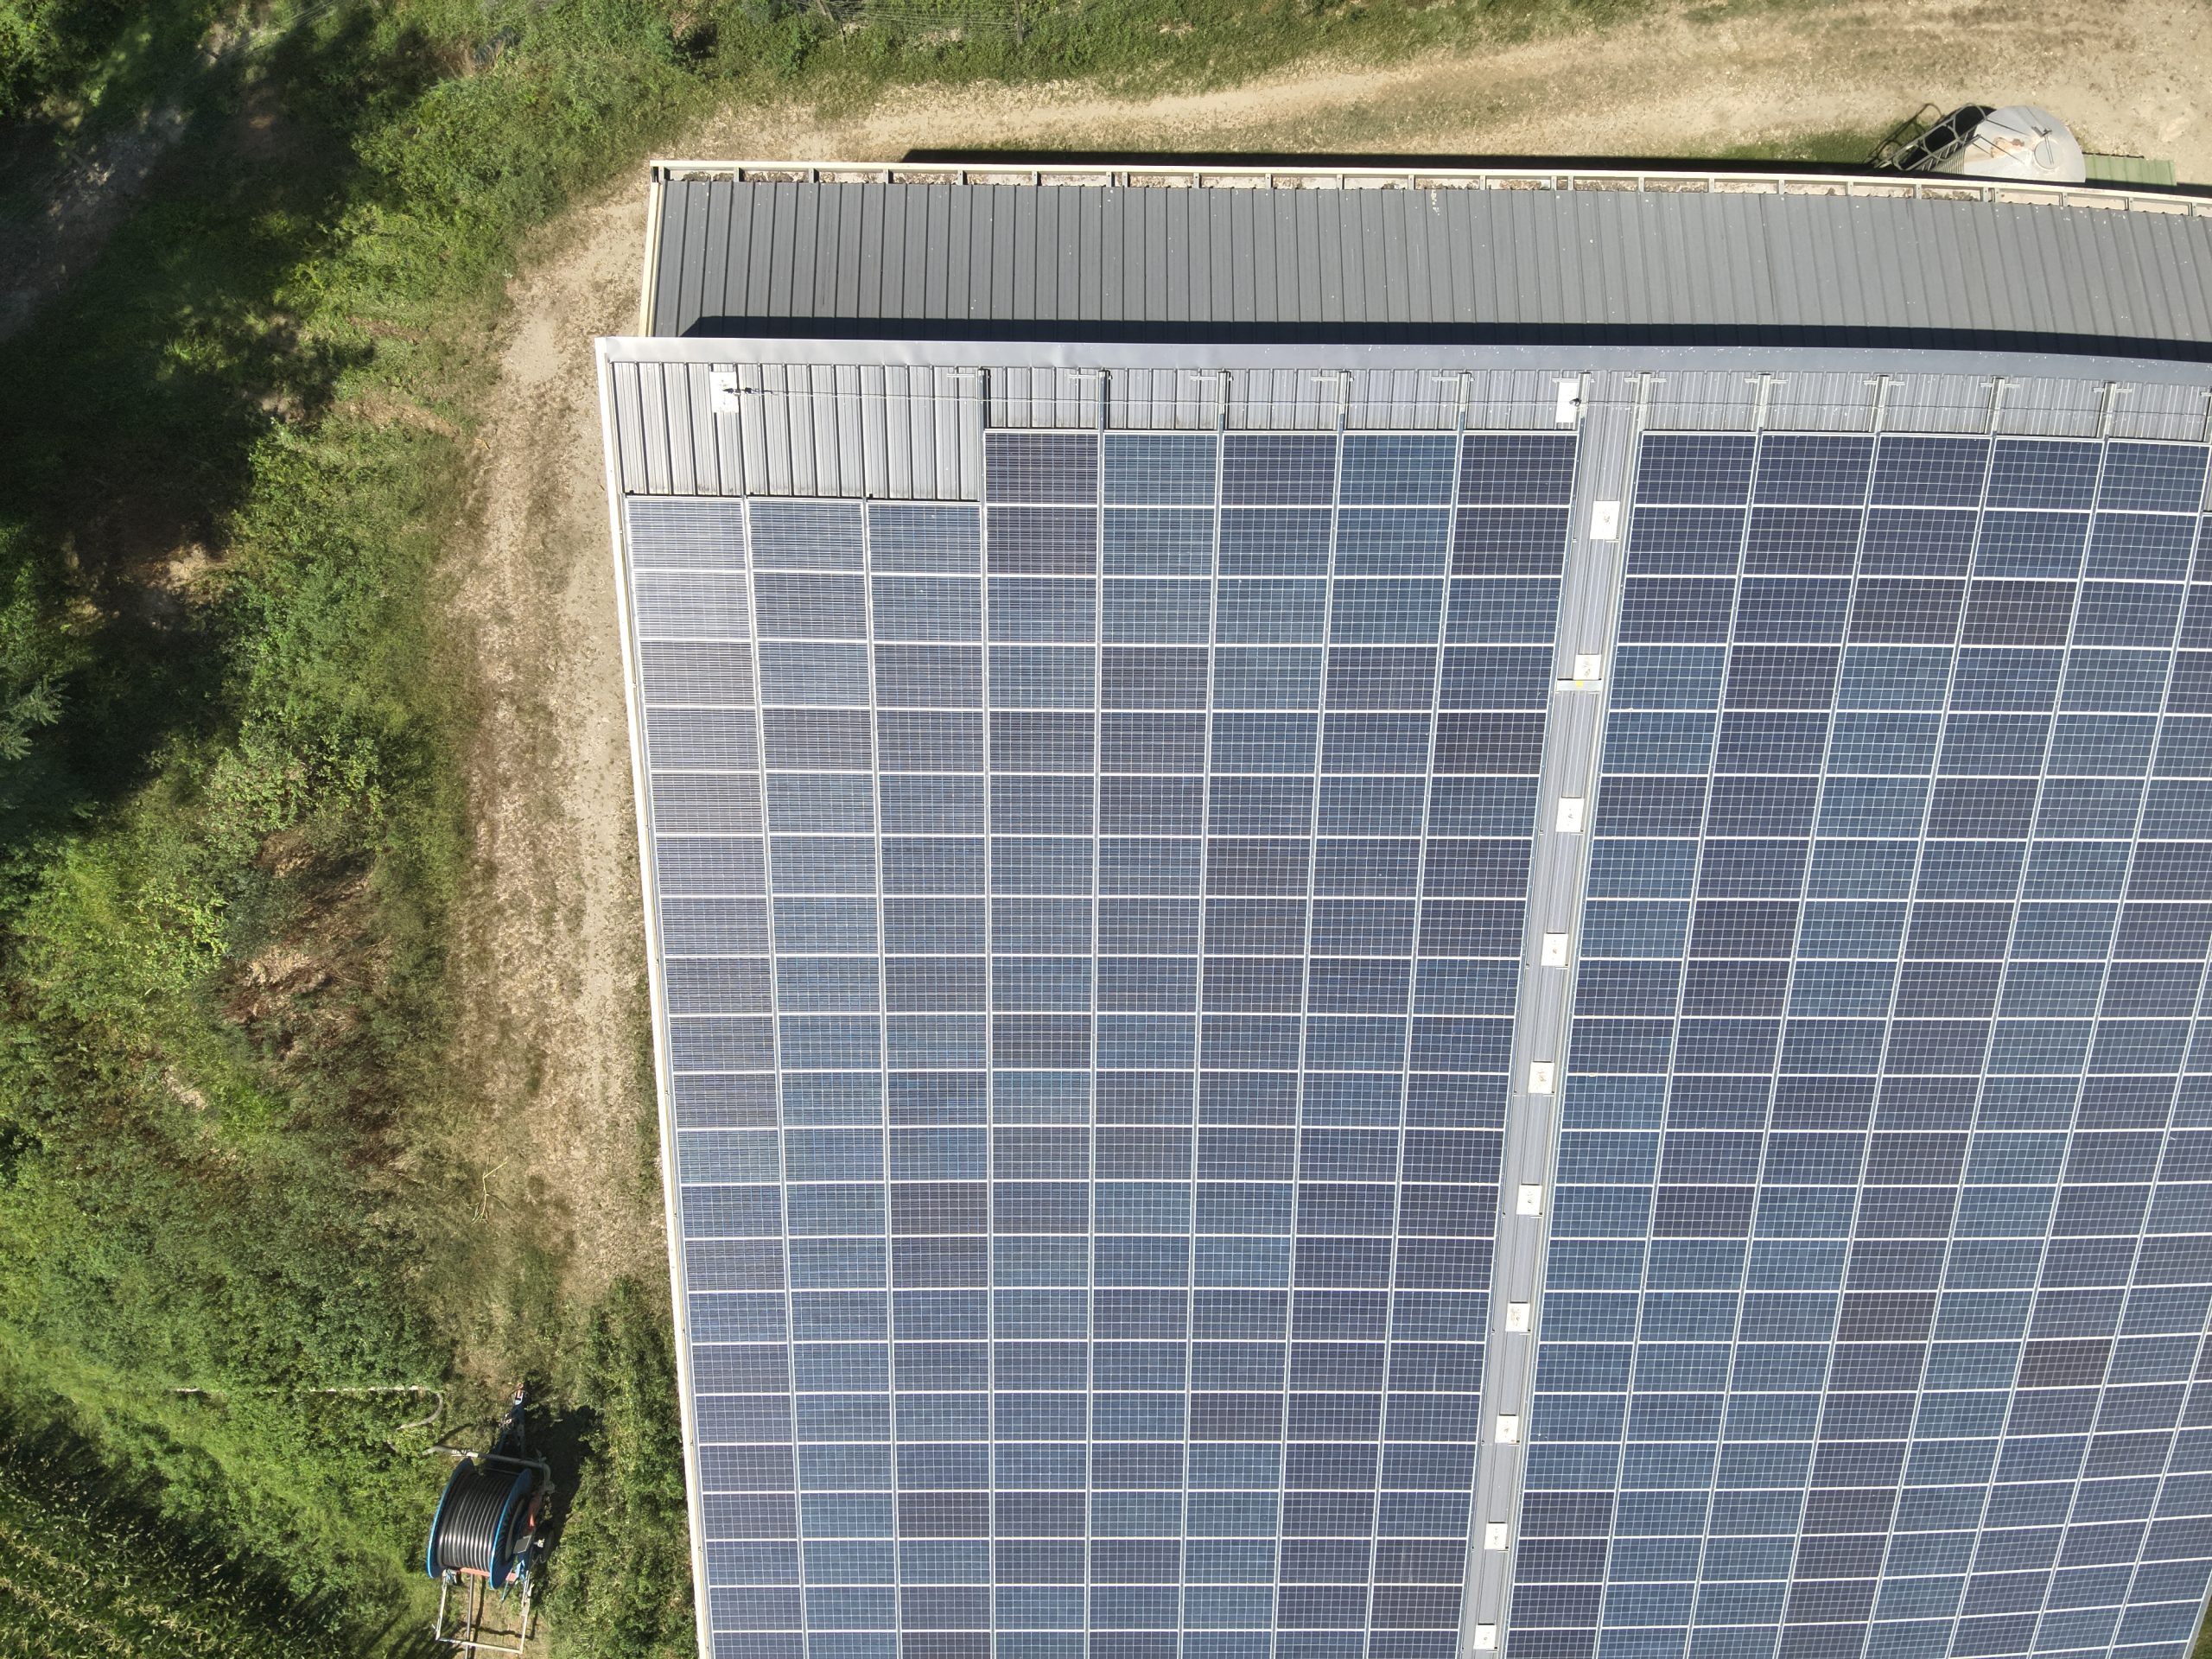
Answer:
(548, 950)
(1695, 81)
(550, 957)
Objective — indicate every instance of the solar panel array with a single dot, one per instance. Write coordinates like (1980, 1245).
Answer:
(1090, 926)
(1882, 1245)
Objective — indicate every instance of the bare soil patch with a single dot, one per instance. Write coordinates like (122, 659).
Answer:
(551, 964)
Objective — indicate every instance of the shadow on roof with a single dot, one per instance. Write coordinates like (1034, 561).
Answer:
(1383, 162)
(1394, 162)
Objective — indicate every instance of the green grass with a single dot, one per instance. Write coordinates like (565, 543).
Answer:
(619, 1582)
(233, 830)
(86, 1572)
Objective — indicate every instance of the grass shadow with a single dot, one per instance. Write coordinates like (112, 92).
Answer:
(123, 1552)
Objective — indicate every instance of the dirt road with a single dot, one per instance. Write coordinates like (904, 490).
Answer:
(1695, 81)
(550, 957)
(548, 950)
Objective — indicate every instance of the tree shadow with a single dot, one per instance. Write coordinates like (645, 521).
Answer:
(134, 405)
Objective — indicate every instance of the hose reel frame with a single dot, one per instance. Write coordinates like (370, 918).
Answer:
(486, 1520)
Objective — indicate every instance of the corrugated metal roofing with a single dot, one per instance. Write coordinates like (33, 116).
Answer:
(742, 258)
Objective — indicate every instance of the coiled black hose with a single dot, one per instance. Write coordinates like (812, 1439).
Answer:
(483, 1522)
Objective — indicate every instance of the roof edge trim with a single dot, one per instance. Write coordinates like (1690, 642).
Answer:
(1768, 354)
(1676, 180)
(649, 274)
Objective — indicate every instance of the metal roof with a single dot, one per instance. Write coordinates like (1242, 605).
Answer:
(1271, 256)
(866, 336)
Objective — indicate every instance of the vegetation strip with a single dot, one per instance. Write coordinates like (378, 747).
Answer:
(237, 832)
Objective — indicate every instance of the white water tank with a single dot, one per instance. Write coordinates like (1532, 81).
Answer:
(2018, 142)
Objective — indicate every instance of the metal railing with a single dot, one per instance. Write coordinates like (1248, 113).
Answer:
(1676, 180)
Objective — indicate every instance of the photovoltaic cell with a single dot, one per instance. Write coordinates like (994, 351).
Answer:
(1683, 467)
(1399, 469)
(1257, 542)
(918, 537)
(2044, 472)
(1516, 469)
(1159, 541)
(1271, 469)
(1930, 472)
(1040, 467)
(686, 534)
(2152, 478)
(1810, 467)
(806, 535)
(1159, 467)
